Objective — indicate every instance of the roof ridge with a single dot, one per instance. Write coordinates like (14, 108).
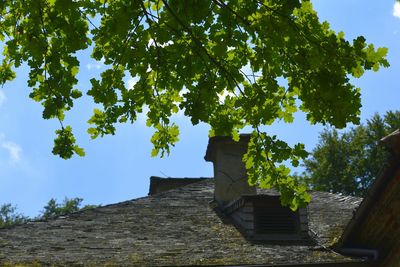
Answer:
(174, 190)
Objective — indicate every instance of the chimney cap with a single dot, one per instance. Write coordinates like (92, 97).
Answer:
(214, 141)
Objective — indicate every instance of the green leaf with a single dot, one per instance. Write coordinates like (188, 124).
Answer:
(270, 57)
(358, 71)
(74, 70)
(79, 151)
(154, 152)
(64, 144)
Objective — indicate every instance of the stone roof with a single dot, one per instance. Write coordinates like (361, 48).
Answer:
(158, 184)
(172, 228)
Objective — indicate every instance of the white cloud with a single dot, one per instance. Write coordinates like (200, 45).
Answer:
(183, 91)
(224, 94)
(96, 65)
(14, 151)
(131, 82)
(152, 43)
(396, 9)
(2, 97)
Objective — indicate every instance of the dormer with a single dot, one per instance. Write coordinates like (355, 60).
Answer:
(263, 218)
(258, 214)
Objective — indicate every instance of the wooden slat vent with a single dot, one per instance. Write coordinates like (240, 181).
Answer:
(275, 221)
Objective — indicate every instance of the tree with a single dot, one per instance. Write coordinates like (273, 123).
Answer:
(349, 162)
(220, 62)
(9, 216)
(54, 209)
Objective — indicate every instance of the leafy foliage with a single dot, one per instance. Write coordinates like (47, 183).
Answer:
(54, 209)
(9, 216)
(349, 162)
(185, 55)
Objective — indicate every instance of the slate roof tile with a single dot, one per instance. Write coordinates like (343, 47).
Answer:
(172, 228)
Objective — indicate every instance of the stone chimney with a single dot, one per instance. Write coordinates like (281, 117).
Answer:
(229, 170)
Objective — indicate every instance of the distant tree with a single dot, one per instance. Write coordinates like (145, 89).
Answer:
(54, 209)
(348, 162)
(9, 216)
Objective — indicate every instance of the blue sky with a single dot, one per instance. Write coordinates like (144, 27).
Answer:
(117, 168)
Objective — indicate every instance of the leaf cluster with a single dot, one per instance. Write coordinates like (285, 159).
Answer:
(218, 62)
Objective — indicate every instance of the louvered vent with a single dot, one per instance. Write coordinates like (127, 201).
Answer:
(262, 218)
(271, 218)
(275, 221)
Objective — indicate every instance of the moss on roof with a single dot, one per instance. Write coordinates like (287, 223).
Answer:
(176, 227)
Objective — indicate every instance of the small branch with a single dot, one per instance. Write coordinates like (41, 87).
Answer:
(200, 45)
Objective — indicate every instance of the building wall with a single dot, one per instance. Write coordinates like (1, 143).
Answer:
(393, 259)
(380, 229)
